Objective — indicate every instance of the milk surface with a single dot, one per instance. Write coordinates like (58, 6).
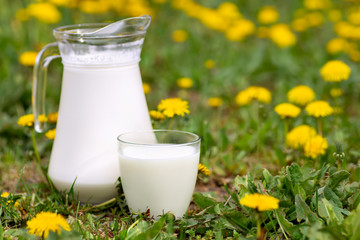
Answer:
(161, 178)
(96, 105)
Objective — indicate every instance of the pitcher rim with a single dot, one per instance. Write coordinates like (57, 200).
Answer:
(63, 31)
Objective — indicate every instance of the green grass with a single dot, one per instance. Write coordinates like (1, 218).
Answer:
(244, 147)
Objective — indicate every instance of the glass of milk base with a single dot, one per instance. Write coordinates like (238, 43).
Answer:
(159, 170)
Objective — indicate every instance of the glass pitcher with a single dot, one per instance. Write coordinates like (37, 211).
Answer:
(101, 97)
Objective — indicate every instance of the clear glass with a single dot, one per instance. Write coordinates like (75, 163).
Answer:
(159, 170)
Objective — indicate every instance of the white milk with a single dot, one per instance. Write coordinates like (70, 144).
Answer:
(96, 105)
(159, 178)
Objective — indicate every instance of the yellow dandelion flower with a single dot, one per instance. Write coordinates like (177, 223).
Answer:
(146, 88)
(240, 30)
(299, 24)
(282, 36)
(336, 45)
(301, 95)
(215, 102)
(253, 93)
(203, 169)
(343, 29)
(260, 202)
(315, 146)
(51, 134)
(173, 106)
(209, 64)
(317, 4)
(185, 82)
(93, 7)
(44, 12)
(6, 195)
(336, 92)
(262, 32)
(354, 16)
(262, 95)
(319, 108)
(229, 10)
(42, 118)
(268, 15)
(355, 55)
(136, 8)
(28, 58)
(45, 222)
(212, 19)
(157, 115)
(179, 36)
(26, 120)
(53, 117)
(335, 71)
(299, 135)
(334, 15)
(315, 19)
(287, 110)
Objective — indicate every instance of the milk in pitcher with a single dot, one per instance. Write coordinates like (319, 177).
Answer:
(101, 97)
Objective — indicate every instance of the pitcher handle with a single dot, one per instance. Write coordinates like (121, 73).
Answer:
(43, 59)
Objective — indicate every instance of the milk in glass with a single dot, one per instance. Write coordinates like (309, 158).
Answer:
(160, 177)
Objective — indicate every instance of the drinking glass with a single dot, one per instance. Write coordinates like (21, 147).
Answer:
(159, 170)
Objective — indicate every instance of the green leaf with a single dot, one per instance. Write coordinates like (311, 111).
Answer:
(285, 225)
(65, 235)
(331, 196)
(250, 183)
(298, 189)
(239, 182)
(333, 212)
(204, 202)
(336, 178)
(309, 173)
(269, 179)
(154, 230)
(303, 211)
(237, 219)
(295, 173)
(280, 156)
(21, 234)
(314, 232)
(351, 224)
(354, 200)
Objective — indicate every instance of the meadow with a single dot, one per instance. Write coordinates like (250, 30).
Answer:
(270, 87)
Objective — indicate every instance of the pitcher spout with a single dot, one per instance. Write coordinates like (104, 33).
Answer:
(124, 27)
(103, 44)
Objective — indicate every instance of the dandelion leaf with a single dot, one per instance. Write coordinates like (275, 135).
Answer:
(154, 230)
(354, 200)
(285, 225)
(65, 235)
(204, 202)
(295, 173)
(336, 178)
(237, 219)
(20, 234)
(333, 212)
(303, 211)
